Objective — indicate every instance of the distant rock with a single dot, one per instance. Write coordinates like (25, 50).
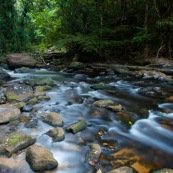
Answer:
(20, 60)
(15, 142)
(120, 69)
(40, 158)
(18, 92)
(76, 66)
(8, 113)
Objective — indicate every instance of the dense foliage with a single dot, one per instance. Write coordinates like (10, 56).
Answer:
(107, 28)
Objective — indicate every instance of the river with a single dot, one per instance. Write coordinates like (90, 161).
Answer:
(140, 137)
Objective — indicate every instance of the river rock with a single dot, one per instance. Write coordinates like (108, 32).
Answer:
(94, 154)
(99, 86)
(23, 70)
(33, 101)
(3, 75)
(19, 92)
(165, 170)
(103, 103)
(27, 108)
(8, 113)
(123, 169)
(76, 66)
(54, 119)
(41, 98)
(40, 158)
(120, 70)
(56, 134)
(20, 60)
(115, 108)
(146, 74)
(152, 92)
(15, 142)
(46, 81)
(2, 97)
(31, 124)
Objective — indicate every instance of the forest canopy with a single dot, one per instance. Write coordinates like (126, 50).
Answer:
(107, 28)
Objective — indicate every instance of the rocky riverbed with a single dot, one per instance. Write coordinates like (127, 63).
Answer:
(84, 120)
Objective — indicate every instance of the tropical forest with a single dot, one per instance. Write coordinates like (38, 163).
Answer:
(86, 86)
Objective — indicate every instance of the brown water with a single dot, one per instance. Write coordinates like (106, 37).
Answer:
(143, 140)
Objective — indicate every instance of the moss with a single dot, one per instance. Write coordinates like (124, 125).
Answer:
(13, 139)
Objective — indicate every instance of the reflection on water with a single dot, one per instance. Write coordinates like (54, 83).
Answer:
(72, 97)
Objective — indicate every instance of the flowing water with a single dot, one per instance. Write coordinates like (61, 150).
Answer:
(141, 136)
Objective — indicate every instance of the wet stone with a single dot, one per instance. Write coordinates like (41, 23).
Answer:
(15, 142)
(124, 169)
(40, 158)
(54, 119)
(56, 134)
(27, 108)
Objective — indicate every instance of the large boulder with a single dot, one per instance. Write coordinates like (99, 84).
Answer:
(19, 92)
(8, 113)
(15, 142)
(20, 60)
(40, 159)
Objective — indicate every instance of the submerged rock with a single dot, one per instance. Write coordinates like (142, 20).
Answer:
(15, 142)
(19, 92)
(8, 113)
(54, 119)
(123, 169)
(20, 60)
(31, 124)
(40, 158)
(56, 134)
(152, 92)
(99, 86)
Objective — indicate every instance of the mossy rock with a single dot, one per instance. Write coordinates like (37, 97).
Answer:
(99, 86)
(15, 142)
(56, 134)
(54, 119)
(120, 70)
(76, 66)
(19, 92)
(115, 108)
(104, 103)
